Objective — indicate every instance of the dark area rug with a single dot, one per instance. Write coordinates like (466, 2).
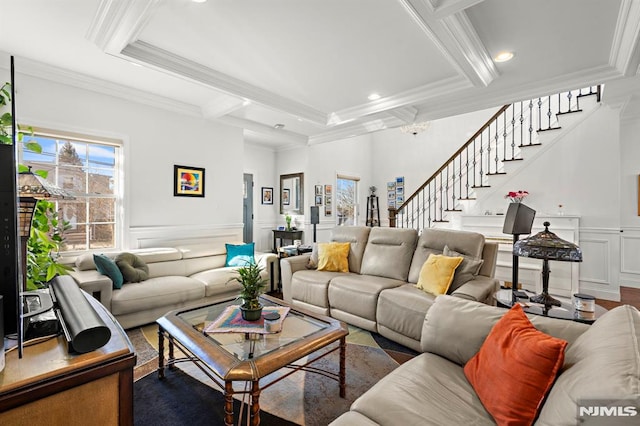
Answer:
(180, 399)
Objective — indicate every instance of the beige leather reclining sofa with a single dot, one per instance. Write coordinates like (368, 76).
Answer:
(379, 293)
(601, 371)
(178, 276)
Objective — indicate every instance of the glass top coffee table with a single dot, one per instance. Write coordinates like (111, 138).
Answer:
(248, 357)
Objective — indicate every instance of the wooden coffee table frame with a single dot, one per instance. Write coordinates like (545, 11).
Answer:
(223, 368)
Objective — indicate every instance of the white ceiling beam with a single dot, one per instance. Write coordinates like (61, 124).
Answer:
(183, 67)
(269, 131)
(376, 123)
(444, 8)
(222, 105)
(408, 97)
(118, 23)
(406, 114)
(625, 50)
(456, 39)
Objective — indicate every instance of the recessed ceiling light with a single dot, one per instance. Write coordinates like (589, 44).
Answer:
(278, 126)
(373, 97)
(503, 56)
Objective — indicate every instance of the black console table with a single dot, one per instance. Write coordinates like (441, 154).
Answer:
(284, 235)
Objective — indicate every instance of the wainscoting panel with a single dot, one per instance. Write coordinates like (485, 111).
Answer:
(599, 270)
(630, 264)
(172, 236)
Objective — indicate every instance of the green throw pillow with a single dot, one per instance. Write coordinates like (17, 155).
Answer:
(132, 267)
(108, 267)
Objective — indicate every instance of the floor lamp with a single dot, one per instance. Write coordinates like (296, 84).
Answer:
(518, 221)
(547, 246)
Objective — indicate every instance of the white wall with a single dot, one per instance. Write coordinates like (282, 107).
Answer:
(629, 204)
(260, 162)
(417, 157)
(154, 141)
(321, 164)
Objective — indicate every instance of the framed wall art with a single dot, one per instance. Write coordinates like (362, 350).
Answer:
(286, 199)
(318, 189)
(328, 190)
(327, 210)
(318, 200)
(267, 195)
(188, 181)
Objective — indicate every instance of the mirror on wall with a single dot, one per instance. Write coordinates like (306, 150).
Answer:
(292, 193)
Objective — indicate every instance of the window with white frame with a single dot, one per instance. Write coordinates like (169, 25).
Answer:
(347, 200)
(89, 169)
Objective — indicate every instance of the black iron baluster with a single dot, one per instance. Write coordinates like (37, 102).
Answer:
(513, 131)
(530, 121)
(467, 170)
(549, 113)
(481, 152)
(521, 123)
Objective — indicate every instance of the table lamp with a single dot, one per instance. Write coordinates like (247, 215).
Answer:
(547, 246)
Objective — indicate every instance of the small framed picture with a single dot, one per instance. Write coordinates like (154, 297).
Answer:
(327, 201)
(318, 200)
(328, 190)
(400, 180)
(267, 195)
(285, 196)
(327, 210)
(391, 186)
(399, 190)
(392, 204)
(391, 195)
(399, 199)
(188, 181)
(318, 189)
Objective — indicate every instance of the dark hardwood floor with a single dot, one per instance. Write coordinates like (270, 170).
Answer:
(628, 296)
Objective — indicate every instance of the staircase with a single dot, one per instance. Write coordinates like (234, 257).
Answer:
(506, 138)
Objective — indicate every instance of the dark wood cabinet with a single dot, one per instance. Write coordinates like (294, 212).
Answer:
(50, 386)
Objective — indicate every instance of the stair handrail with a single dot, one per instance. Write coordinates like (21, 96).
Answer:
(394, 211)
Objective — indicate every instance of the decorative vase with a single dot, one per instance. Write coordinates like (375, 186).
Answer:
(249, 314)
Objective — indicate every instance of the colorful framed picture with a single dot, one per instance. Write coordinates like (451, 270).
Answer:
(327, 210)
(328, 190)
(188, 181)
(318, 189)
(285, 196)
(391, 186)
(400, 180)
(267, 195)
(318, 200)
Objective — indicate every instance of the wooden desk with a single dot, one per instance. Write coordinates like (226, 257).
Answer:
(50, 386)
(285, 236)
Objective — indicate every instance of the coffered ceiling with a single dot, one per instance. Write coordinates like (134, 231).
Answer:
(311, 65)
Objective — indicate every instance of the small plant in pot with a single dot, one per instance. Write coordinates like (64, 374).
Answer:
(252, 286)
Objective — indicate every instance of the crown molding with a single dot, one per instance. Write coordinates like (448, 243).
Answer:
(268, 131)
(402, 99)
(117, 23)
(183, 67)
(456, 39)
(93, 84)
(625, 51)
(444, 8)
(469, 44)
(221, 106)
(352, 129)
(406, 114)
(479, 100)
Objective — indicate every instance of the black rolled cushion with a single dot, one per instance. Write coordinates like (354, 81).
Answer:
(132, 267)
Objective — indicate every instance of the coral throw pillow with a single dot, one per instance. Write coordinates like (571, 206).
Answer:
(333, 257)
(437, 273)
(515, 368)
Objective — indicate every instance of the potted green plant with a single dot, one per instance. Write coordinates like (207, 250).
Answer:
(287, 219)
(252, 286)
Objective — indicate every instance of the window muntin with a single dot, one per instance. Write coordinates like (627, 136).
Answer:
(89, 170)
(347, 200)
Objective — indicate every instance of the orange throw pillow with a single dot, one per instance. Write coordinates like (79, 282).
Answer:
(515, 368)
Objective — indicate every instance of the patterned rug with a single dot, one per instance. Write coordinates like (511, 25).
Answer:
(302, 398)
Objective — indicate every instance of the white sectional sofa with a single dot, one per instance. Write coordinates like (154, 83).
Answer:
(178, 276)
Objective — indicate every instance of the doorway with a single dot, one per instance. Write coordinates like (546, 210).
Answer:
(247, 208)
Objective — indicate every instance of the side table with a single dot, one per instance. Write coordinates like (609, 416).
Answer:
(284, 235)
(566, 311)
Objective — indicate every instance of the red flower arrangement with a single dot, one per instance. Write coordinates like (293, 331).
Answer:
(516, 196)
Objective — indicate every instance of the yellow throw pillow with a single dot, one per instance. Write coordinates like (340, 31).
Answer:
(437, 273)
(333, 257)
